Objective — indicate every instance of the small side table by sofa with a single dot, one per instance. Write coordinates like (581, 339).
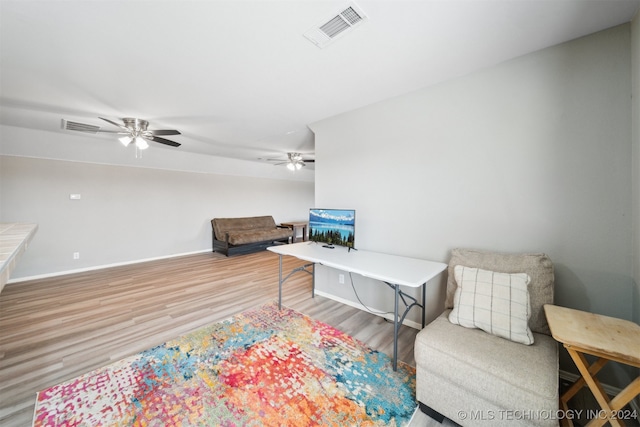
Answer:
(295, 226)
(606, 338)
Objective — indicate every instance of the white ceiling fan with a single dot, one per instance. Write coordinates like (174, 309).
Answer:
(132, 130)
(294, 162)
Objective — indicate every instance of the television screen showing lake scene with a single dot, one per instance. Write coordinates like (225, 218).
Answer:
(332, 226)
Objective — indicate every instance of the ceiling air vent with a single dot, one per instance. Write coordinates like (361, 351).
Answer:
(81, 127)
(337, 25)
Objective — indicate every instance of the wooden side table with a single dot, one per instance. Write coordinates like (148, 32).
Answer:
(295, 226)
(607, 338)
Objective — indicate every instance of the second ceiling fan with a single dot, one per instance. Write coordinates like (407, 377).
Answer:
(294, 161)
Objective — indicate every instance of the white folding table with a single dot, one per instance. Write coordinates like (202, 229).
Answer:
(393, 270)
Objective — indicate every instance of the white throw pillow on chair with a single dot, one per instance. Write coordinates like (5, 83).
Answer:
(497, 303)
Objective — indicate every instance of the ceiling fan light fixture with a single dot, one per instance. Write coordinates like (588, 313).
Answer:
(141, 143)
(125, 140)
(295, 165)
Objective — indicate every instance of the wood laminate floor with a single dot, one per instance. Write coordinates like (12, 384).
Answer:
(54, 329)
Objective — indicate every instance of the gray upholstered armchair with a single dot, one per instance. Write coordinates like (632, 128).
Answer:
(489, 358)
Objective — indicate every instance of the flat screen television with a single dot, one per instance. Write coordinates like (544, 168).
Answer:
(332, 226)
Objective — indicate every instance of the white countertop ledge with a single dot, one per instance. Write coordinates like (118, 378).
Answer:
(14, 240)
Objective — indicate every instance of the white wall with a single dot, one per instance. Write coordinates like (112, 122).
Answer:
(129, 213)
(531, 155)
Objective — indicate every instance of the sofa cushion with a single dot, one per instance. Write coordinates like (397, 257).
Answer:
(223, 225)
(510, 375)
(497, 303)
(537, 265)
(242, 237)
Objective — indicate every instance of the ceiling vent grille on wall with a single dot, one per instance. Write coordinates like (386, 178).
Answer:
(339, 24)
(81, 127)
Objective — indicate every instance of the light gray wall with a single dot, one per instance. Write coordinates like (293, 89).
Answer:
(129, 213)
(532, 155)
(635, 82)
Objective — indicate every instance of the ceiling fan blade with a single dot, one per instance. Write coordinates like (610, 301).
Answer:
(163, 141)
(83, 127)
(285, 161)
(115, 124)
(165, 132)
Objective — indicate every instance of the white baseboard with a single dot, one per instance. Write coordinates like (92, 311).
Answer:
(100, 267)
(609, 389)
(388, 316)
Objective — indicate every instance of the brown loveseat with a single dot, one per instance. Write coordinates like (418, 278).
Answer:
(248, 234)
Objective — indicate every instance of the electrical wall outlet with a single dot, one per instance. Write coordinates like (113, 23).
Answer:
(76, 255)
(341, 278)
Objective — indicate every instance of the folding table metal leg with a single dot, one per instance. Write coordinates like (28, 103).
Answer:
(396, 328)
(397, 320)
(424, 304)
(281, 280)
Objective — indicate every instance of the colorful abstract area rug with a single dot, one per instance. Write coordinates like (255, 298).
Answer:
(263, 367)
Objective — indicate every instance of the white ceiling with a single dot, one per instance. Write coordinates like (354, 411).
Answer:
(238, 78)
